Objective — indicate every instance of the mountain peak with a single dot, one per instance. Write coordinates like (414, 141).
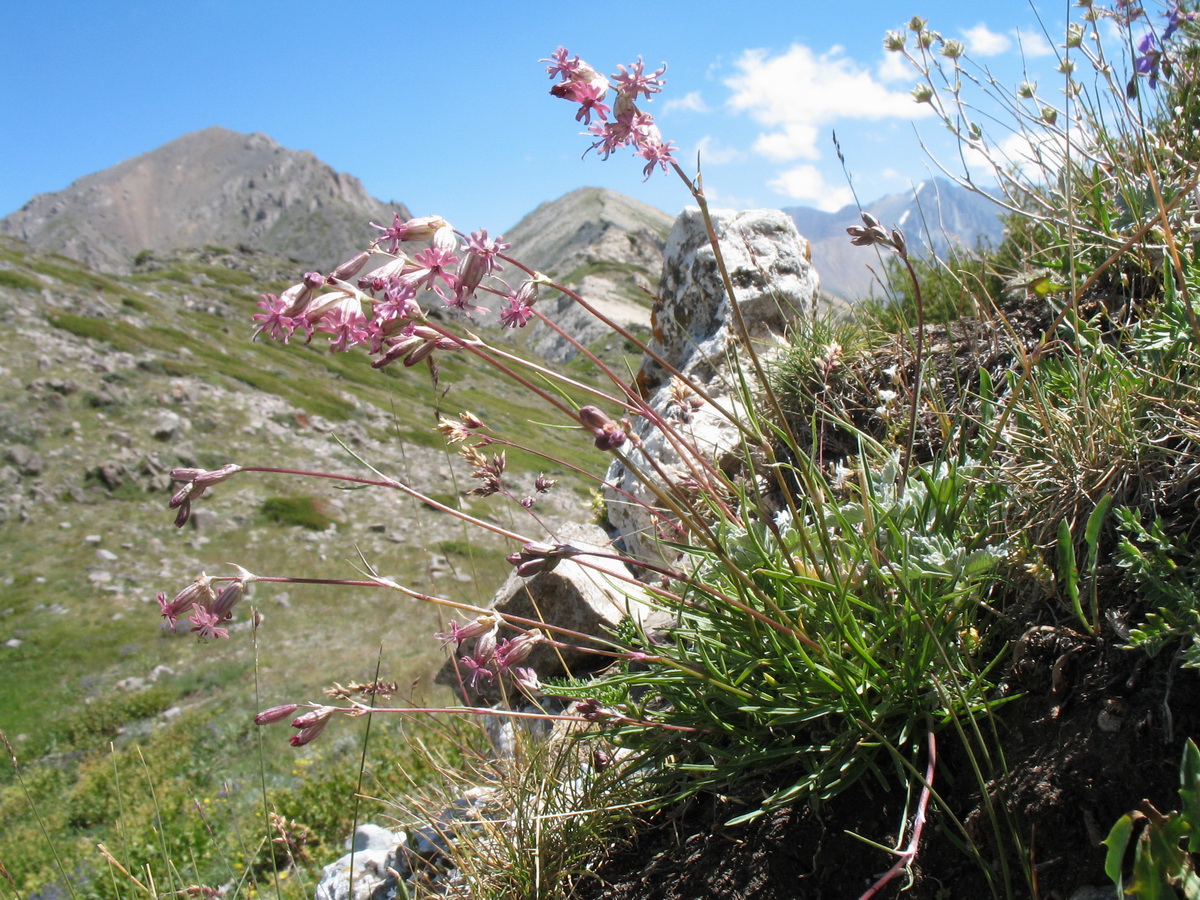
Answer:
(213, 186)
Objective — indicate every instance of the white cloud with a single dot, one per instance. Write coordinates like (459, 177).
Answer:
(895, 68)
(712, 153)
(982, 41)
(1033, 43)
(690, 102)
(798, 92)
(805, 182)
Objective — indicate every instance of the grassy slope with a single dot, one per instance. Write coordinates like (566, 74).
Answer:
(178, 340)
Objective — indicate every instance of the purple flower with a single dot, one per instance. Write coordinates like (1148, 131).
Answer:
(1175, 18)
(1150, 58)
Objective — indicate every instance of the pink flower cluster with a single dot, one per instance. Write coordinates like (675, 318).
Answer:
(622, 124)
(490, 657)
(382, 308)
(208, 607)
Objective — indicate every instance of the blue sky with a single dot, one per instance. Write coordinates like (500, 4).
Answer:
(446, 107)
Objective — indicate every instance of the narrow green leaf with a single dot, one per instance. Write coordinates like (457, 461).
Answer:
(1095, 522)
(1116, 842)
(1189, 793)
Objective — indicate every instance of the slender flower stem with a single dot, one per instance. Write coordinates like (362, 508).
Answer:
(909, 853)
(637, 342)
(398, 486)
(507, 713)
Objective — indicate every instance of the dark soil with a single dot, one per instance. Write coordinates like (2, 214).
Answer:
(1095, 730)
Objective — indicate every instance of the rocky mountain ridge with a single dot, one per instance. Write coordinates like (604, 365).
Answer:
(935, 216)
(210, 187)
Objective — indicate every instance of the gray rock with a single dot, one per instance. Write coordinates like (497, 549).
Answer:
(696, 333)
(111, 474)
(203, 519)
(369, 868)
(374, 837)
(588, 595)
(19, 455)
(168, 426)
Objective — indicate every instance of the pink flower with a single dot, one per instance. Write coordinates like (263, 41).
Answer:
(430, 265)
(515, 651)
(272, 321)
(588, 95)
(348, 328)
(204, 624)
(658, 154)
(487, 250)
(199, 592)
(560, 64)
(517, 314)
(399, 301)
(473, 629)
(413, 230)
(633, 82)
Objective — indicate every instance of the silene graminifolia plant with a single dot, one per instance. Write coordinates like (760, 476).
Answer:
(827, 613)
(813, 603)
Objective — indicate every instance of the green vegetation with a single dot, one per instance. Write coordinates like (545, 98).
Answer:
(304, 512)
(19, 281)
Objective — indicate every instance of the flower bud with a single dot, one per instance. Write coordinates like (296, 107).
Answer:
(953, 49)
(894, 40)
(275, 714)
(350, 267)
(216, 476)
(311, 724)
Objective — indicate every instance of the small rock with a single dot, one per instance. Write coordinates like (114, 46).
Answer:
(373, 837)
(13, 643)
(159, 483)
(92, 539)
(19, 455)
(106, 555)
(168, 426)
(100, 576)
(203, 519)
(371, 877)
(111, 474)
